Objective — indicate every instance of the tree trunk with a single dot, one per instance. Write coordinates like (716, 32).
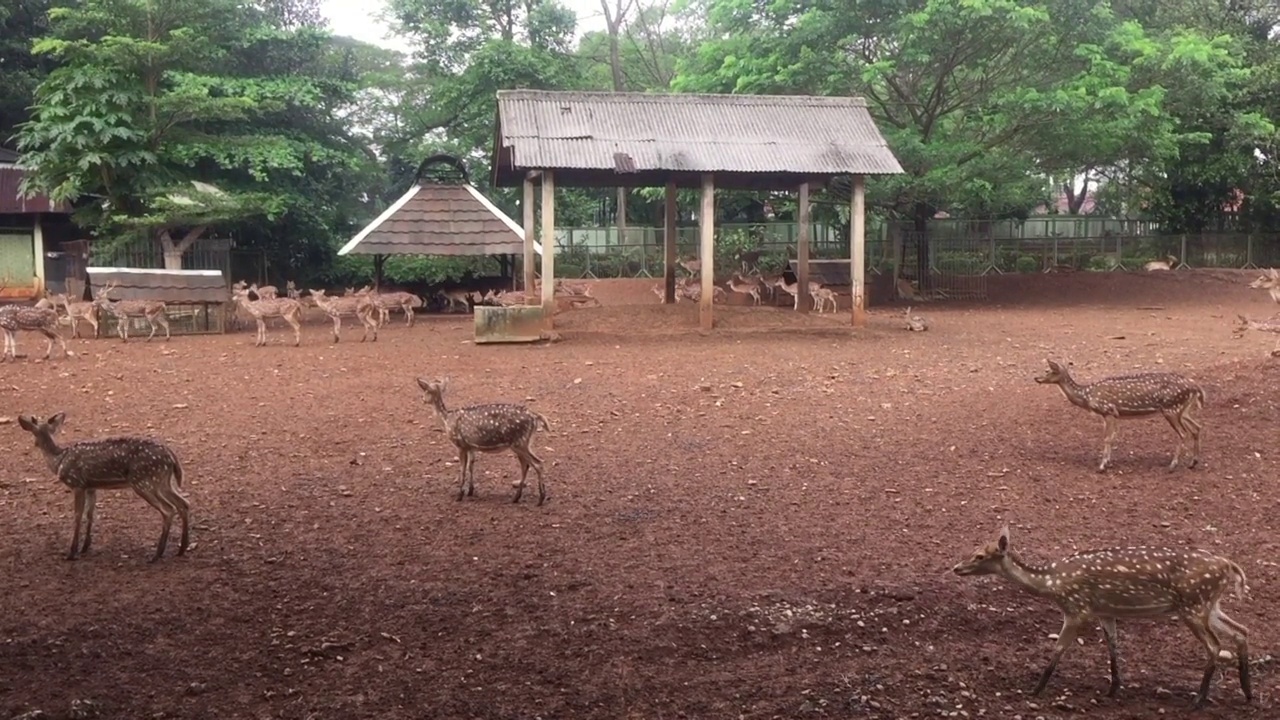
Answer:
(173, 251)
(920, 219)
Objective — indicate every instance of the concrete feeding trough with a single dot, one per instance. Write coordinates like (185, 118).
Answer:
(514, 324)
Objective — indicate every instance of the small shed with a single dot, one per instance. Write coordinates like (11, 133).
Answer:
(31, 230)
(196, 301)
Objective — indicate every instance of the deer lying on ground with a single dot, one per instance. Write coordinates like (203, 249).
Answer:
(122, 310)
(148, 466)
(1123, 583)
(287, 308)
(915, 323)
(358, 306)
(77, 311)
(491, 427)
(1134, 396)
(1270, 281)
(1270, 325)
(690, 288)
(907, 290)
(749, 285)
(691, 265)
(18, 318)
(1168, 263)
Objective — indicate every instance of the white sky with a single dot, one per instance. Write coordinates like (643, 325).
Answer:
(361, 19)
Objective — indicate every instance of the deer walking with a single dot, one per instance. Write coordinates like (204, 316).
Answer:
(492, 427)
(16, 318)
(122, 310)
(357, 305)
(148, 466)
(745, 285)
(1134, 396)
(1129, 583)
(77, 311)
(287, 308)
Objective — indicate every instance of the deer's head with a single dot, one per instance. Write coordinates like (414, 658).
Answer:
(986, 559)
(1055, 374)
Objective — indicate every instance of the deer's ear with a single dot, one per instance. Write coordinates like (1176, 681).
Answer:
(26, 422)
(422, 383)
(1003, 542)
(56, 421)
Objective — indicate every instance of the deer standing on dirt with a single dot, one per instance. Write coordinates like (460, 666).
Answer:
(456, 297)
(16, 318)
(1133, 396)
(266, 292)
(1129, 583)
(406, 301)
(1168, 263)
(1270, 281)
(493, 427)
(77, 311)
(745, 285)
(287, 308)
(359, 306)
(148, 466)
(122, 310)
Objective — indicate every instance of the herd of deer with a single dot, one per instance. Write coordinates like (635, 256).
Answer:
(750, 282)
(1100, 586)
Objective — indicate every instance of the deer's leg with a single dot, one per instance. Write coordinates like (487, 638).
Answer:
(1224, 625)
(90, 503)
(75, 327)
(1113, 654)
(152, 494)
(1110, 426)
(261, 338)
(1066, 636)
(50, 335)
(471, 473)
(1193, 428)
(79, 513)
(464, 458)
(179, 502)
(1199, 624)
(163, 319)
(1175, 420)
(524, 473)
(337, 327)
(297, 329)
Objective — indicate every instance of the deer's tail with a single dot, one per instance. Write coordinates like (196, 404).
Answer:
(542, 420)
(1239, 584)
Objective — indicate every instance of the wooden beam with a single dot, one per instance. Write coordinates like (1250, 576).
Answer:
(669, 246)
(530, 230)
(858, 249)
(707, 250)
(548, 246)
(803, 300)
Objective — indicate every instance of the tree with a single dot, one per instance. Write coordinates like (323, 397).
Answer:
(153, 96)
(21, 22)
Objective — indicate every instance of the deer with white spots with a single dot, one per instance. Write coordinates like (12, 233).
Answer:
(15, 318)
(1130, 583)
(1269, 280)
(1134, 396)
(493, 427)
(148, 466)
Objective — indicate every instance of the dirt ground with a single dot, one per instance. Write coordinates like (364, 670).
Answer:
(755, 523)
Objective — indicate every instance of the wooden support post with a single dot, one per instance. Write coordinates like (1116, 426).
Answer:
(858, 249)
(803, 299)
(379, 261)
(707, 250)
(548, 245)
(669, 246)
(530, 231)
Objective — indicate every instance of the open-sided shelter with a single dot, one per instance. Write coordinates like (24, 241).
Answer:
(760, 142)
(195, 300)
(32, 230)
(441, 214)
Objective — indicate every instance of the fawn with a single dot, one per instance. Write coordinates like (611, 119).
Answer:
(745, 285)
(153, 310)
(488, 428)
(1134, 396)
(148, 466)
(77, 311)
(824, 295)
(15, 318)
(915, 323)
(1129, 583)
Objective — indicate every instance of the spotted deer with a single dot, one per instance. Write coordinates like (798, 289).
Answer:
(745, 285)
(383, 302)
(359, 306)
(122, 310)
(17, 318)
(287, 308)
(1134, 396)
(1168, 263)
(1270, 325)
(915, 323)
(266, 292)
(148, 466)
(1269, 280)
(822, 296)
(492, 427)
(456, 297)
(77, 311)
(1129, 583)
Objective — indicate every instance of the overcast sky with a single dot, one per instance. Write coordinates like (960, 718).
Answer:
(360, 19)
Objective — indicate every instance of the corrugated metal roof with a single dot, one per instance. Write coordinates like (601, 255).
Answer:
(625, 133)
(170, 286)
(11, 201)
(439, 219)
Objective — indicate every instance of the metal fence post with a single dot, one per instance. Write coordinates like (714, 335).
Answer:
(1248, 252)
(1182, 259)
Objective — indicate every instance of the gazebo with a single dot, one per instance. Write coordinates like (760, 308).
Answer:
(749, 142)
(441, 214)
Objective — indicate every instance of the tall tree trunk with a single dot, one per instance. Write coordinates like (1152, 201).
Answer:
(614, 17)
(921, 215)
(174, 250)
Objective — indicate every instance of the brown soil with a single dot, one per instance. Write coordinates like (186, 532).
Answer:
(755, 523)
